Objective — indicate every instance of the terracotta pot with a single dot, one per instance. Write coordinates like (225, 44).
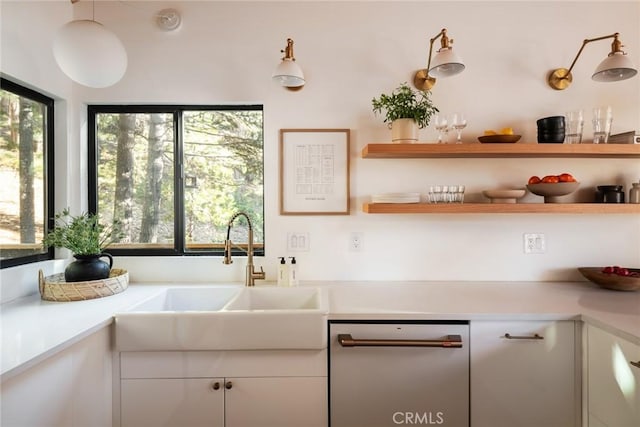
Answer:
(404, 131)
(88, 267)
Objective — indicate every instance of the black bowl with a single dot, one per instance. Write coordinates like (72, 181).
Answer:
(605, 188)
(551, 138)
(551, 122)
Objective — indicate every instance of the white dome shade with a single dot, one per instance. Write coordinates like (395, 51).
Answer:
(288, 74)
(446, 63)
(90, 54)
(617, 66)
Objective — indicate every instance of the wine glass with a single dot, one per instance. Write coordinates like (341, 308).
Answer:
(442, 126)
(458, 122)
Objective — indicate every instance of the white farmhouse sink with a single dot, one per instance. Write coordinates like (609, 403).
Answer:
(189, 299)
(275, 299)
(226, 318)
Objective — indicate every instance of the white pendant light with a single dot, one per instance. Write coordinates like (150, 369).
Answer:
(289, 74)
(90, 54)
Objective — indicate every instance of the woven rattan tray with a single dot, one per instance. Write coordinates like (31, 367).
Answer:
(54, 288)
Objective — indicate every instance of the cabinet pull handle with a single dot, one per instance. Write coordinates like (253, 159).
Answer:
(636, 364)
(452, 341)
(228, 385)
(215, 386)
(522, 337)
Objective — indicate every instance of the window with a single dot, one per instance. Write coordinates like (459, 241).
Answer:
(26, 173)
(173, 176)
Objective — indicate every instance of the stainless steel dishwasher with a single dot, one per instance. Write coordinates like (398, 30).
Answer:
(391, 373)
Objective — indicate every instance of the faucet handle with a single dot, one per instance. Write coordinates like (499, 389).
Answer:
(227, 252)
(259, 274)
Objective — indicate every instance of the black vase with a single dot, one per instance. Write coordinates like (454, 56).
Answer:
(88, 267)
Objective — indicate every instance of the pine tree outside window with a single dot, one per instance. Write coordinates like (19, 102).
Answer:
(174, 175)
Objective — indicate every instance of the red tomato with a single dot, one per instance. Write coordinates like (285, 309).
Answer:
(550, 179)
(534, 180)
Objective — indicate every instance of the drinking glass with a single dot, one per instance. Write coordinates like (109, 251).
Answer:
(602, 119)
(458, 122)
(442, 126)
(574, 123)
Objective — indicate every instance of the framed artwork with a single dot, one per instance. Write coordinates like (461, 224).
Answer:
(314, 171)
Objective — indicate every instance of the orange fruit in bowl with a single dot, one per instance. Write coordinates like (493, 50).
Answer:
(550, 179)
(566, 177)
(534, 180)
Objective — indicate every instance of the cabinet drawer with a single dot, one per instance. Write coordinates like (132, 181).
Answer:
(613, 382)
(524, 373)
(196, 364)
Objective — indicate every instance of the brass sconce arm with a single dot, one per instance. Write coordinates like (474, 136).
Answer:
(561, 78)
(422, 80)
(288, 51)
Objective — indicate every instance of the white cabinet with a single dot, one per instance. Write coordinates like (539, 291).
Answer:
(224, 388)
(172, 401)
(613, 380)
(70, 388)
(524, 374)
(276, 402)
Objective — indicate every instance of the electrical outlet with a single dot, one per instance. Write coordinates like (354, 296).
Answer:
(534, 243)
(297, 242)
(355, 242)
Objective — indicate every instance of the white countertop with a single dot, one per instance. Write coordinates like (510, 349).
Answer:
(33, 330)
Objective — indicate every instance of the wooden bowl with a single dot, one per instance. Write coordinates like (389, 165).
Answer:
(499, 139)
(611, 281)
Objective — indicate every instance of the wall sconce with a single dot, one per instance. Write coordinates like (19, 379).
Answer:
(89, 54)
(616, 66)
(289, 74)
(445, 63)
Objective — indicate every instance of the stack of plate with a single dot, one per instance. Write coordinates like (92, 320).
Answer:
(396, 198)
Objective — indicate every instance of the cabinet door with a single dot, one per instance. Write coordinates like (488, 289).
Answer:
(175, 402)
(614, 383)
(276, 402)
(522, 382)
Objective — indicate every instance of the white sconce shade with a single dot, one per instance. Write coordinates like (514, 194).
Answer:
(289, 74)
(90, 54)
(446, 63)
(615, 67)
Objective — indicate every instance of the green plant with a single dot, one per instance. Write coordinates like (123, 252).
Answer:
(404, 103)
(82, 234)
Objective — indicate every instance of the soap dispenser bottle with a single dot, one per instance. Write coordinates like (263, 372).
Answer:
(293, 272)
(283, 273)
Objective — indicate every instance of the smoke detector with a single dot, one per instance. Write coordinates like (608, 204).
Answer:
(168, 19)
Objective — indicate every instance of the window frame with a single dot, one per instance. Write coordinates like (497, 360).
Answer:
(48, 165)
(177, 110)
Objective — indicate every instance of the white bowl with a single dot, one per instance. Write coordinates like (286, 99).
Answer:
(504, 196)
(552, 191)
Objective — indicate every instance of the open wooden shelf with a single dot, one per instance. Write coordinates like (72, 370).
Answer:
(493, 208)
(477, 150)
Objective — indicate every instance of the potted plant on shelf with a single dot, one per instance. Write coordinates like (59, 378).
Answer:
(405, 111)
(86, 238)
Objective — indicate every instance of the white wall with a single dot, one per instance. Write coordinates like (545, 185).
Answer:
(351, 52)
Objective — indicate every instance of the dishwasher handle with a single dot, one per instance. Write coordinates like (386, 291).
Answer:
(451, 341)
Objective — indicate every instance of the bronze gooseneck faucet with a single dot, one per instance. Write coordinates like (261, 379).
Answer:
(251, 274)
